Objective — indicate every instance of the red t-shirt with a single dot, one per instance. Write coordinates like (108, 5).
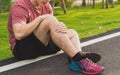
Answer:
(23, 10)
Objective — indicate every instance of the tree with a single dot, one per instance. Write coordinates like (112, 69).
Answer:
(61, 3)
(93, 4)
(63, 6)
(112, 3)
(83, 2)
(103, 4)
(107, 3)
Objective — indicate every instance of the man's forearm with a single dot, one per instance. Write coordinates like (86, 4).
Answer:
(22, 29)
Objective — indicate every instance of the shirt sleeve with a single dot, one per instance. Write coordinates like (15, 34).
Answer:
(50, 10)
(18, 14)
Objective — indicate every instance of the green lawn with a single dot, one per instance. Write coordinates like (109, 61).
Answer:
(85, 20)
(4, 44)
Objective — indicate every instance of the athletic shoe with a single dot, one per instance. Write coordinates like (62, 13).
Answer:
(86, 66)
(92, 56)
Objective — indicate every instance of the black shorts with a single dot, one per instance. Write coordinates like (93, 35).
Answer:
(30, 48)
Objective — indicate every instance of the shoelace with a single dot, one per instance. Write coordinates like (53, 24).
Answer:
(87, 62)
(91, 62)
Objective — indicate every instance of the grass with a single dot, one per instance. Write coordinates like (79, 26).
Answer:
(85, 20)
(4, 44)
(88, 21)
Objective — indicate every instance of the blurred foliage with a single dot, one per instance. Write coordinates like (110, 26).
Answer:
(67, 2)
(5, 5)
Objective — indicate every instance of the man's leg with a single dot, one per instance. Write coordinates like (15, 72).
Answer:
(74, 38)
(68, 42)
(46, 30)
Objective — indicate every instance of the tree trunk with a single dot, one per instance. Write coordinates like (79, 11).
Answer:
(83, 2)
(107, 3)
(103, 4)
(110, 1)
(113, 4)
(63, 6)
(93, 3)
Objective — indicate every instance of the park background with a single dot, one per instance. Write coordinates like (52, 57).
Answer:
(87, 18)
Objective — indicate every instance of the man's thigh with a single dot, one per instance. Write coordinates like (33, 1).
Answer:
(43, 32)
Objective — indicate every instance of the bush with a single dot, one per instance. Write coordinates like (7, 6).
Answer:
(5, 5)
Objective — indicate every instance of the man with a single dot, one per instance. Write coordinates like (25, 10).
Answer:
(33, 31)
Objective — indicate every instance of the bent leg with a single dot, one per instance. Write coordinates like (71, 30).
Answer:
(43, 32)
(46, 30)
(73, 36)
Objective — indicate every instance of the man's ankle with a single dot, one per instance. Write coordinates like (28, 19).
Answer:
(77, 57)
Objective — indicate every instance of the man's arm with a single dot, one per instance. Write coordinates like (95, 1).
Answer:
(22, 29)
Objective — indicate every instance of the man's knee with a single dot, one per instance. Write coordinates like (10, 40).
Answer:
(49, 17)
(72, 33)
(48, 20)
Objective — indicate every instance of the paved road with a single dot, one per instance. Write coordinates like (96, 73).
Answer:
(58, 65)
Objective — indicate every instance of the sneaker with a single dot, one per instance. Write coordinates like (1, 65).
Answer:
(86, 66)
(92, 56)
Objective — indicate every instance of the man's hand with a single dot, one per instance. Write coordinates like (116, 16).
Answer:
(61, 28)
